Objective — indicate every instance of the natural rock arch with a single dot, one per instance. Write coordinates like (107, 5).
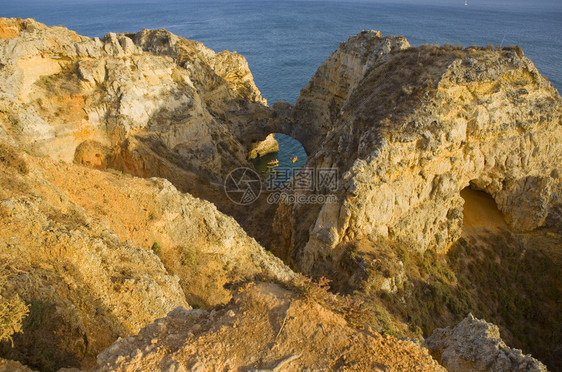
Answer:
(414, 137)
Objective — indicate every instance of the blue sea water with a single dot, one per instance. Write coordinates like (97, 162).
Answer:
(285, 41)
(283, 171)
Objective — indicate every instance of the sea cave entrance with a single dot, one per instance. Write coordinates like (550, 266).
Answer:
(277, 158)
(480, 209)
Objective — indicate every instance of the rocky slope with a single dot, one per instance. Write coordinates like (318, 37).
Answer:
(83, 284)
(149, 104)
(413, 132)
(282, 332)
(105, 254)
(474, 345)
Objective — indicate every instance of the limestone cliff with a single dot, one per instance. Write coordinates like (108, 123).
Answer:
(475, 345)
(320, 102)
(151, 104)
(60, 91)
(261, 148)
(417, 126)
(100, 254)
(410, 134)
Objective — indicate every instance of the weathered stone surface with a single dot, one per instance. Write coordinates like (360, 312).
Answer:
(268, 145)
(12, 366)
(59, 89)
(302, 335)
(99, 255)
(475, 345)
(321, 100)
(151, 104)
(412, 129)
(407, 129)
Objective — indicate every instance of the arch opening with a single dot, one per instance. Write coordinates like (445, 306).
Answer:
(277, 167)
(480, 209)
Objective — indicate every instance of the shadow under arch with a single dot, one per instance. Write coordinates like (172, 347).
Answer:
(480, 210)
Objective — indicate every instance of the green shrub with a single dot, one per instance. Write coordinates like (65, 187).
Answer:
(156, 248)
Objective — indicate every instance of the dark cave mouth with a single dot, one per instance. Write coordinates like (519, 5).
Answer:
(480, 210)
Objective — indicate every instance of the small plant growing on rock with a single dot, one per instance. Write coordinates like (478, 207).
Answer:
(156, 248)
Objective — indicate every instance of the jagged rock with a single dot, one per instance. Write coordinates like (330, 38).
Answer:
(151, 104)
(13, 366)
(288, 332)
(407, 129)
(475, 345)
(59, 90)
(412, 127)
(321, 100)
(105, 254)
(268, 145)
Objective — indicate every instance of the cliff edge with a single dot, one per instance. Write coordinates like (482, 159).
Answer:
(114, 220)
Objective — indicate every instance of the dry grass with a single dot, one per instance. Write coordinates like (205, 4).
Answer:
(12, 311)
(514, 281)
(359, 311)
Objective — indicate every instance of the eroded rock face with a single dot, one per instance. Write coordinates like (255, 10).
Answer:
(59, 90)
(261, 148)
(420, 125)
(150, 104)
(301, 335)
(320, 102)
(475, 345)
(407, 129)
(83, 284)
(99, 255)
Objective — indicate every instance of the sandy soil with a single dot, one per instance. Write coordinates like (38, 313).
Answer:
(265, 328)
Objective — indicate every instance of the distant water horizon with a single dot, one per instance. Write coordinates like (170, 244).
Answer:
(286, 41)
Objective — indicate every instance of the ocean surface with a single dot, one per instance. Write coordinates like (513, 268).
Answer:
(278, 174)
(286, 41)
